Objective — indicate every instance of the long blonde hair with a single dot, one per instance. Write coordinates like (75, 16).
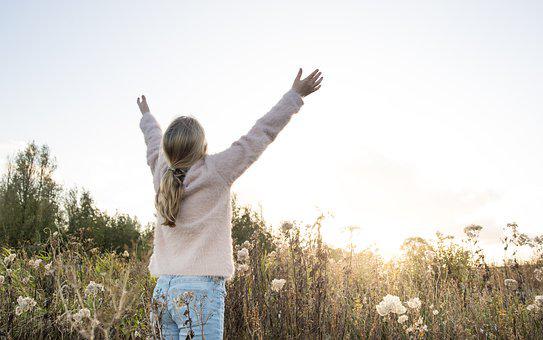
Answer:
(184, 143)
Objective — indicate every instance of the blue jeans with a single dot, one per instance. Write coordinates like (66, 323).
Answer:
(188, 307)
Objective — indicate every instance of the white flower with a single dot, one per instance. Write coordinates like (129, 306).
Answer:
(242, 269)
(48, 269)
(538, 300)
(243, 255)
(472, 231)
(430, 255)
(2, 279)
(532, 308)
(390, 304)
(55, 233)
(126, 254)
(247, 244)
(414, 303)
(136, 334)
(25, 280)
(93, 288)
(403, 318)
(511, 284)
(35, 263)
(81, 314)
(435, 312)
(277, 284)
(24, 304)
(8, 259)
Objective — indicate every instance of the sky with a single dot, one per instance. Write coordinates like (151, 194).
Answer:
(429, 117)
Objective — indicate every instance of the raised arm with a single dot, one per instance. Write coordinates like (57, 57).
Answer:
(151, 132)
(232, 162)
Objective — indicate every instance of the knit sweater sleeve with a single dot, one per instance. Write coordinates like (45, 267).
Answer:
(153, 137)
(232, 162)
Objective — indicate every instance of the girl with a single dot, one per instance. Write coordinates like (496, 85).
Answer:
(192, 250)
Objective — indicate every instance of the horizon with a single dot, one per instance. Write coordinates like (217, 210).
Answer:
(429, 117)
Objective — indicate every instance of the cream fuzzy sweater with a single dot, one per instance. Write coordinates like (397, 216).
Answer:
(201, 241)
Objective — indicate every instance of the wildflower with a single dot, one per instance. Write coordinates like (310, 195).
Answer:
(403, 318)
(81, 314)
(247, 244)
(472, 231)
(277, 284)
(532, 308)
(414, 303)
(418, 326)
(55, 234)
(25, 280)
(35, 263)
(523, 240)
(8, 259)
(538, 274)
(435, 312)
(136, 334)
(430, 255)
(93, 288)
(243, 255)
(511, 284)
(24, 304)
(242, 269)
(126, 254)
(390, 304)
(48, 269)
(188, 295)
(2, 279)
(538, 299)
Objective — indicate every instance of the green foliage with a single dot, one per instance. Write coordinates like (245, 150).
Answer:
(29, 197)
(32, 205)
(246, 222)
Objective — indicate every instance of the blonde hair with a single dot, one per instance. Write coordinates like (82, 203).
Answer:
(183, 144)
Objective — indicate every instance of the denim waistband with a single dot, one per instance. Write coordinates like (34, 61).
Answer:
(193, 278)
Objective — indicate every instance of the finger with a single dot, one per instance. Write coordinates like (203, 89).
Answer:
(315, 77)
(299, 75)
(143, 97)
(311, 75)
(316, 88)
(318, 81)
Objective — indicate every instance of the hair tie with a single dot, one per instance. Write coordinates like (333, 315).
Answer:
(178, 174)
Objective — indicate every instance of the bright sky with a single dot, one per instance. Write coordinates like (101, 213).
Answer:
(429, 118)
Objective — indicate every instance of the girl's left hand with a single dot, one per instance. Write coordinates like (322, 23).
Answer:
(143, 104)
(307, 85)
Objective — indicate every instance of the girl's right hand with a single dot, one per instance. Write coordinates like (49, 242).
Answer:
(308, 85)
(143, 104)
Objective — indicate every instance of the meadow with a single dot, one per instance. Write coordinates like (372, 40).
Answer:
(293, 286)
(83, 274)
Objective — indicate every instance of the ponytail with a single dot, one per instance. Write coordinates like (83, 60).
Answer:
(183, 144)
(169, 195)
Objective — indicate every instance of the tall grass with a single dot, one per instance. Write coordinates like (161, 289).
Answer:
(302, 289)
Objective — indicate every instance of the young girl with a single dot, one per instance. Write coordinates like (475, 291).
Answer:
(192, 253)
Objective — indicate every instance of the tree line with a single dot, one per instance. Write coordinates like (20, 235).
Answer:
(33, 205)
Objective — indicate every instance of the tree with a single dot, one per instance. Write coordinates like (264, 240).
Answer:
(29, 197)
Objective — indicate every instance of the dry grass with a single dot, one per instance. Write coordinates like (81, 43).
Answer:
(326, 293)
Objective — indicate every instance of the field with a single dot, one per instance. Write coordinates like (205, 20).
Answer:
(289, 285)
